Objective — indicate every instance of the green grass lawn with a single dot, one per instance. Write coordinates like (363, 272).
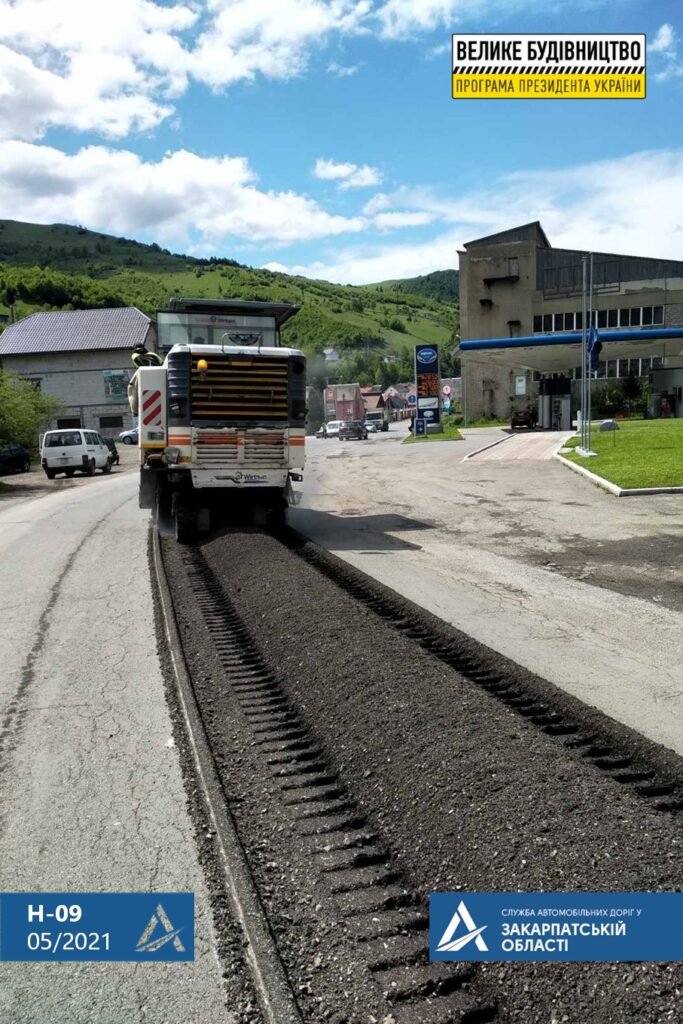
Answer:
(641, 453)
(449, 433)
(476, 424)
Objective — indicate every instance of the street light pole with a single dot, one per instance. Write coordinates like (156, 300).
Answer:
(590, 356)
(584, 353)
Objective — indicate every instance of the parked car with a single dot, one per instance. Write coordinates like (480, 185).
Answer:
(524, 418)
(380, 417)
(353, 429)
(66, 451)
(129, 436)
(111, 445)
(330, 429)
(14, 459)
(372, 426)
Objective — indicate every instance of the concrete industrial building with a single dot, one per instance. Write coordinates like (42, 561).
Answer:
(83, 358)
(514, 284)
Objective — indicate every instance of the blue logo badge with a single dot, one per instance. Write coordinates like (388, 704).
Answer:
(426, 355)
(612, 926)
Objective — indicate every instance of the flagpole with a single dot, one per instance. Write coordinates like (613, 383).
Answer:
(584, 347)
(590, 364)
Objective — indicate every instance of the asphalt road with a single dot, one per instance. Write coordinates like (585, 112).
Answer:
(580, 587)
(91, 795)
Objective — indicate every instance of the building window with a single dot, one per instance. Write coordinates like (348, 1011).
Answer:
(602, 318)
(612, 317)
(656, 362)
(535, 376)
(109, 422)
(658, 314)
(612, 368)
(624, 317)
(558, 321)
(68, 422)
(645, 367)
(548, 322)
(647, 316)
(569, 321)
(578, 320)
(538, 324)
(635, 317)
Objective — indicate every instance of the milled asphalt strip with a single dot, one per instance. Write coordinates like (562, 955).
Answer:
(274, 993)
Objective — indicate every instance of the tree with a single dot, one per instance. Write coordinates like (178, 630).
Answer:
(24, 411)
(631, 390)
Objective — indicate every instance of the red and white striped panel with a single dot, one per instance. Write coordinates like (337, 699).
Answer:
(151, 407)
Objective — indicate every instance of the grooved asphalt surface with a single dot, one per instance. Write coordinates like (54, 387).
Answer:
(528, 558)
(91, 796)
(468, 794)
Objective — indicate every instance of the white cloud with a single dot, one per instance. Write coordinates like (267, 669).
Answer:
(249, 37)
(664, 41)
(380, 201)
(115, 68)
(667, 61)
(438, 51)
(346, 174)
(109, 68)
(403, 219)
(171, 199)
(599, 206)
(342, 70)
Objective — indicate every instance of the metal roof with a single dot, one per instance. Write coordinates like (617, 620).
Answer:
(282, 311)
(78, 330)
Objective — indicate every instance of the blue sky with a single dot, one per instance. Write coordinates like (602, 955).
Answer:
(320, 136)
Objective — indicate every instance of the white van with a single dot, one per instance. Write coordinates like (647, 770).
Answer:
(65, 451)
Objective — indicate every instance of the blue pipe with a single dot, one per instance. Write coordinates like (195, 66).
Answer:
(572, 338)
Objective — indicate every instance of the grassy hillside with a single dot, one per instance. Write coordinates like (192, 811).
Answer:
(80, 251)
(61, 267)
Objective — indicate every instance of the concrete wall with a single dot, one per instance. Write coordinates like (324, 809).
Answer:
(497, 284)
(77, 379)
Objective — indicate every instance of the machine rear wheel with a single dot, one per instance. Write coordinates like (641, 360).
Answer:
(185, 527)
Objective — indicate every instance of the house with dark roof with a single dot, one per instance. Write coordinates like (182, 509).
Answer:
(82, 357)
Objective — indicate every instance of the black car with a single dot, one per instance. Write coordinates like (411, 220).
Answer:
(353, 428)
(14, 459)
(111, 445)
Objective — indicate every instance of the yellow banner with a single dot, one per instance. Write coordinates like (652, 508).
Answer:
(548, 87)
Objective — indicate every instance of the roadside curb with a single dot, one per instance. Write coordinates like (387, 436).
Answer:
(607, 485)
(485, 447)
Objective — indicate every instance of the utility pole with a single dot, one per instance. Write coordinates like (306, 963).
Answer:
(586, 371)
(584, 352)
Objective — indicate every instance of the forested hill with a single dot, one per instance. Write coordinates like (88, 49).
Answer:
(77, 250)
(45, 267)
(440, 284)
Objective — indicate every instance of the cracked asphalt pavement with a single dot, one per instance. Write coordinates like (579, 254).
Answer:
(91, 794)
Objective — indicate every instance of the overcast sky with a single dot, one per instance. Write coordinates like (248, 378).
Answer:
(319, 136)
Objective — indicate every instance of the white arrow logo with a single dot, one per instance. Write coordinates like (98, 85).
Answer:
(450, 945)
(159, 919)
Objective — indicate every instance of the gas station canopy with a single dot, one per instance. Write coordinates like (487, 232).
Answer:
(557, 353)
